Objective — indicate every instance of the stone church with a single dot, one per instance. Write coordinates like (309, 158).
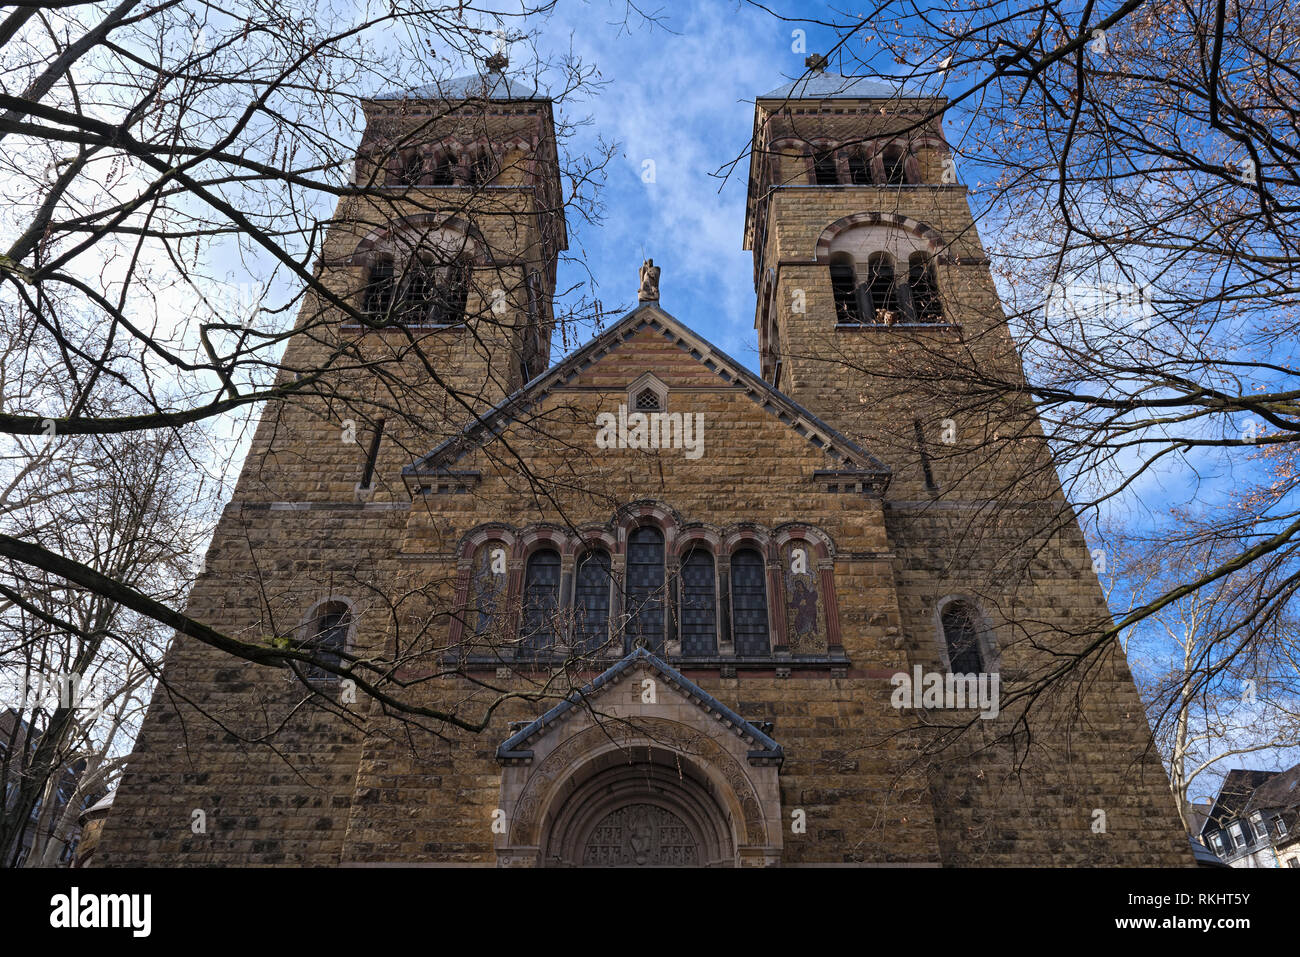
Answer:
(645, 607)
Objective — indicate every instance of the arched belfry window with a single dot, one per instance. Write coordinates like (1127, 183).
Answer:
(825, 172)
(645, 590)
(412, 169)
(879, 296)
(541, 600)
(749, 629)
(926, 306)
(325, 635)
(423, 289)
(379, 287)
(591, 590)
(962, 626)
(859, 169)
(895, 166)
(444, 171)
(699, 605)
(844, 289)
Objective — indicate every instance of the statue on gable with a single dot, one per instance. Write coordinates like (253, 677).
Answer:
(649, 291)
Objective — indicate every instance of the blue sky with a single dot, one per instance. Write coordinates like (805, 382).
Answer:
(680, 95)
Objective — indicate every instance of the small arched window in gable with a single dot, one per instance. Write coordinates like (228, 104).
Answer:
(326, 636)
(699, 605)
(647, 400)
(645, 590)
(805, 617)
(591, 590)
(924, 290)
(541, 600)
(880, 292)
(843, 289)
(961, 636)
(749, 629)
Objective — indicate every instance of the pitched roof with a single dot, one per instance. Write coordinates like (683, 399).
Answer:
(1235, 793)
(492, 85)
(763, 749)
(848, 456)
(1282, 790)
(834, 86)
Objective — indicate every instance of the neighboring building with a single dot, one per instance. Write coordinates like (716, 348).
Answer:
(736, 617)
(13, 740)
(1255, 821)
(92, 826)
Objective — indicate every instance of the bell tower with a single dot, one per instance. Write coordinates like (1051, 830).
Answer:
(445, 250)
(865, 252)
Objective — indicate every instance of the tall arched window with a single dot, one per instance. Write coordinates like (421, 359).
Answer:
(326, 637)
(925, 293)
(961, 636)
(805, 617)
(699, 601)
(843, 289)
(749, 603)
(591, 602)
(482, 167)
(880, 300)
(645, 589)
(541, 599)
(488, 587)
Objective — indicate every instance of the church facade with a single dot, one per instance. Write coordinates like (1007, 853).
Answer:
(650, 608)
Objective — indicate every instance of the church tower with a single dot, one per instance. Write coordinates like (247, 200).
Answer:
(441, 264)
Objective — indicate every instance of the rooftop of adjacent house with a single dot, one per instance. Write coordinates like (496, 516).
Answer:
(1281, 790)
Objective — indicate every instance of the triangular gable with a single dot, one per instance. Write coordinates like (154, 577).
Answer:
(763, 750)
(847, 456)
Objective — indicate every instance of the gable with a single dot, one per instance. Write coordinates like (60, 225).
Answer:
(649, 340)
(671, 689)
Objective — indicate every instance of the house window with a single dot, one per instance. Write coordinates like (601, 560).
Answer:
(1238, 835)
(1293, 862)
(645, 590)
(824, 171)
(925, 293)
(326, 638)
(591, 602)
(1279, 825)
(880, 294)
(961, 638)
(699, 613)
(1216, 841)
(541, 599)
(842, 289)
(1257, 823)
(749, 603)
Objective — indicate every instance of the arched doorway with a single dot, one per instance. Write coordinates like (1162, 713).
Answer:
(655, 810)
